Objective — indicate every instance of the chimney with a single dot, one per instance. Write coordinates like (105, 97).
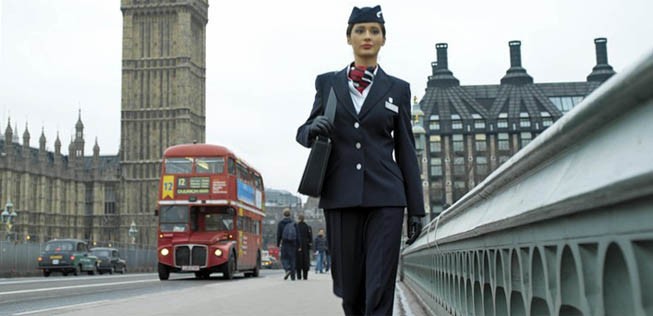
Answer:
(601, 44)
(516, 74)
(442, 77)
(602, 71)
(443, 62)
(515, 54)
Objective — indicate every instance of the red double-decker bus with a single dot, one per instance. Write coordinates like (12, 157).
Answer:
(211, 207)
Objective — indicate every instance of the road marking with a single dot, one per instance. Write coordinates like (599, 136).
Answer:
(60, 307)
(5, 281)
(76, 287)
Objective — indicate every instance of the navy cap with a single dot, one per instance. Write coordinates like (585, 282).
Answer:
(366, 14)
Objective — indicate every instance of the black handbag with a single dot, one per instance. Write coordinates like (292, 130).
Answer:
(318, 159)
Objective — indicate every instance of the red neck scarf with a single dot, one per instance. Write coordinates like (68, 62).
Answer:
(361, 76)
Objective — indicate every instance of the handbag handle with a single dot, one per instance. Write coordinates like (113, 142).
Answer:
(330, 110)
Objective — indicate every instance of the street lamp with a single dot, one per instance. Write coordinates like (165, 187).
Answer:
(8, 216)
(132, 232)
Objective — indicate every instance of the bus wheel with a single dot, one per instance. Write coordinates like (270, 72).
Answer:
(164, 273)
(257, 270)
(229, 268)
(46, 273)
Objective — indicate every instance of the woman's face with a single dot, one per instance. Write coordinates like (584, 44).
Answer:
(366, 39)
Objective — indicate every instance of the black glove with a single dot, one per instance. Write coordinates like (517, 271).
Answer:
(320, 126)
(414, 228)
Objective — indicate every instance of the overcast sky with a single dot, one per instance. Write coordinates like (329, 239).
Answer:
(59, 56)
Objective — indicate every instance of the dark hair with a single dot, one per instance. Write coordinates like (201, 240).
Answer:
(351, 27)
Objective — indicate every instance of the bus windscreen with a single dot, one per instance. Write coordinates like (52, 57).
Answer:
(173, 218)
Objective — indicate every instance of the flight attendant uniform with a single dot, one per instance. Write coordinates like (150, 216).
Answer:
(372, 175)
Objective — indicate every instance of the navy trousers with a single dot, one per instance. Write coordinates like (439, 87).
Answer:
(289, 257)
(364, 246)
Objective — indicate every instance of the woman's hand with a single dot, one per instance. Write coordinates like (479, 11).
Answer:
(414, 226)
(320, 126)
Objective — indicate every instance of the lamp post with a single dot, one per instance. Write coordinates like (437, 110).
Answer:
(132, 232)
(419, 133)
(8, 216)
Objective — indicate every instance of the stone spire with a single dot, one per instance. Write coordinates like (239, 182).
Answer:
(26, 137)
(9, 135)
(96, 149)
(516, 74)
(42, 140)
(57, 145)
(79, 127)
(15, 138)
(71, 149)
(79, 136)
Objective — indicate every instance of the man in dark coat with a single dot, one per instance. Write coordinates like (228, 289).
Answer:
(305, 236)
(288, 247)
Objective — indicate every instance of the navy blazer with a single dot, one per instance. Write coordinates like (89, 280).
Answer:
(362, 171)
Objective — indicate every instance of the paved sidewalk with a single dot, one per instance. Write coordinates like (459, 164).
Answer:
(269, 295)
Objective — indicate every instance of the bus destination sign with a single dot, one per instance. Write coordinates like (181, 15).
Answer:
(193, 185)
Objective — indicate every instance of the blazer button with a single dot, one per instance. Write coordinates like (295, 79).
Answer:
(356, 125)
(358, 145)
(358, 166)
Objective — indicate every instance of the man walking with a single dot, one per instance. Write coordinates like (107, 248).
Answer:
(287, 240)
(305, 235)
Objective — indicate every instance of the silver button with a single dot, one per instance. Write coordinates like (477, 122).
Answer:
(358, 145)
(356, 125)
(358, 166)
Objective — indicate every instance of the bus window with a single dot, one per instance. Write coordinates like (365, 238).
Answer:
(258, 182)
(243, 173)
(218, 222)
(232, 166)
(173, 218)
(212, 165)
(178, 165)
(257, 227)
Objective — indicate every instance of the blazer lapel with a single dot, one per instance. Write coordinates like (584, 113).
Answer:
(341, 89)
(380, 87)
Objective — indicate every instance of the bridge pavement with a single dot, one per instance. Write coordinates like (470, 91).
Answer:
(267, 295)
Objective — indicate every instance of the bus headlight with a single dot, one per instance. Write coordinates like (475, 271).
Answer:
(218, 252)
(165, 252)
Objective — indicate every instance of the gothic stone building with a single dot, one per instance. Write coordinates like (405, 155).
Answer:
(163, 103)
(463, 133)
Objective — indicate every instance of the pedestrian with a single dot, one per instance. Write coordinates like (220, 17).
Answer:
(287, 241)
(366, 189)
(305, 236)
(320, 251)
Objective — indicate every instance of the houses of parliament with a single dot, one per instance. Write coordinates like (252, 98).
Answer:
(462, 132)
(100, 197)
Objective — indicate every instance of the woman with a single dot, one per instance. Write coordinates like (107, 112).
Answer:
(365, 190)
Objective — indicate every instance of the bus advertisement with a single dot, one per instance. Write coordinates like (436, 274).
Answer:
(210, 211)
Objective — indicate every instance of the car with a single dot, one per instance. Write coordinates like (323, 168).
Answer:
(270, 262)
(67, 256)
(109, 260)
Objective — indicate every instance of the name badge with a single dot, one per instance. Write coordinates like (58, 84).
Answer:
(391, 107)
